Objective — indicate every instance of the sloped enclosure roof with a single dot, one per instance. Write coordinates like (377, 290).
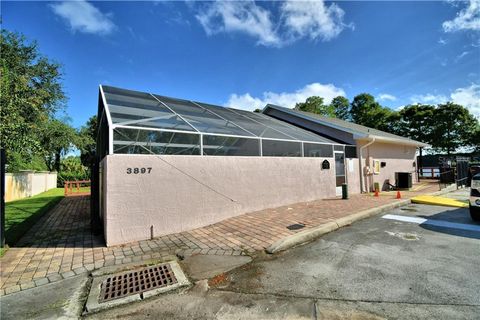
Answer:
(359, 131)
(149, 123)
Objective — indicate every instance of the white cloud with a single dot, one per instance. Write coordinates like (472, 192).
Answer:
(442, 41)
(468, 97)
(239, 16)
(428, 98)
(285, 99)
(82, 16)
(312, 19)
(296, 20)
(466, 19)
(461, 55)
(386, 96)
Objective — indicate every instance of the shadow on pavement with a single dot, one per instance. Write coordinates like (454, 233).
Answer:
(460, 215)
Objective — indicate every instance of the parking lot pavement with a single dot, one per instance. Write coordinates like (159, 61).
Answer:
(381, 260)
(378, 268)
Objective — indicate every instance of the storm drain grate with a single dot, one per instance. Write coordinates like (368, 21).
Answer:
(296, 226)
(137, 281)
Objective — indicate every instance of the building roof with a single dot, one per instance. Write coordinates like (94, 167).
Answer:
(141, 122)
(358, 131)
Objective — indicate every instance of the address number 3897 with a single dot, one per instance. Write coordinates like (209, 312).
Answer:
(138, 170)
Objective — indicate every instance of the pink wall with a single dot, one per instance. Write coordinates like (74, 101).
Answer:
(398, 158)
(186, 192)
(353, 178)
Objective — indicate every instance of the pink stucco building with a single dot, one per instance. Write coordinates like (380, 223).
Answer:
(169, 165)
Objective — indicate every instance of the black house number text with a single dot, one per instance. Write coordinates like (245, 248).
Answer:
(138, 170)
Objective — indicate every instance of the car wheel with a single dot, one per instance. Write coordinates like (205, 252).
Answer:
(475, 213)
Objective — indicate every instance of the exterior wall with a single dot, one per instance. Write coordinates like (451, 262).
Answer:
(398, 158)
(352, 170)
(28, 183)
(185, 192)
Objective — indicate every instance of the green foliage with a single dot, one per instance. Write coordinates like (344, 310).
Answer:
(17, 162)
(417, 122)
(86, 141)
(446, 127)
(30, 95)
(72, 169)
(366, 111)
(454, 127)
(341, 107)
(56, 140)
(314, 104)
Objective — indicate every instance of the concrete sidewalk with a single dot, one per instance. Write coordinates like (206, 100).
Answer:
(61, 245)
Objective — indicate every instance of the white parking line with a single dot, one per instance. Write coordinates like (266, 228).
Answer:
(431, 222)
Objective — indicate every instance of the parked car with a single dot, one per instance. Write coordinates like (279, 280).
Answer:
(475, 197)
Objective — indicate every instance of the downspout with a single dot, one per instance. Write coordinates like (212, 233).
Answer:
(361, 163)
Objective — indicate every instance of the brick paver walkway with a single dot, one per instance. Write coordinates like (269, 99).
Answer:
(62, 244)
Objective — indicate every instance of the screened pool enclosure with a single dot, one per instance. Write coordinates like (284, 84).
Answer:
(134, 122)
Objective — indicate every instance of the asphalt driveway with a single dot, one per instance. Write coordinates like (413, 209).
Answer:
(380, 261)
(385, 267)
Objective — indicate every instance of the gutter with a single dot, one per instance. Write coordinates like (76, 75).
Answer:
(407, 142)
(361, 158)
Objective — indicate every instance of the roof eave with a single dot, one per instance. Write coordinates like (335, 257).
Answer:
(407, 142)
(304, 116)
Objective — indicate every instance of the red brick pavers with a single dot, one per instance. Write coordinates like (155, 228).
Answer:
(62, 244)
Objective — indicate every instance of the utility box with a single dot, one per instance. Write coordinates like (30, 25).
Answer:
(403, 180)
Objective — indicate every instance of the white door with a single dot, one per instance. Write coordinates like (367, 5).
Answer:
(339, 171)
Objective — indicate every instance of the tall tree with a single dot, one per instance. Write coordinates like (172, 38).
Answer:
(314, 104)
(57, 139)
(341, 107)
(366, 111)
(417, 122)
(31, 93)
(454, 127)
(86, 141)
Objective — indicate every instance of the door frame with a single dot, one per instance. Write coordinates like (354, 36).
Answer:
(338, 189)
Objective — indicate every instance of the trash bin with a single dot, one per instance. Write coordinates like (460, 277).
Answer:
(344, 191)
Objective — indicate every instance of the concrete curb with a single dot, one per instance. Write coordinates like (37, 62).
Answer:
(448, 189)
(313, 233)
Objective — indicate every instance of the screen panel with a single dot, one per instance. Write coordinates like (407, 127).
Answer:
(318, 150)
(277, 148)
(258, 129)
(291, 131)
(136, 108)
(230, 146)
(350, 152)
(137, 141)
(202, 119)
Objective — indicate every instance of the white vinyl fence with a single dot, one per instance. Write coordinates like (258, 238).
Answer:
(25, 184)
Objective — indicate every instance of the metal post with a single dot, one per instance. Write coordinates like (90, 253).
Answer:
(2, 191)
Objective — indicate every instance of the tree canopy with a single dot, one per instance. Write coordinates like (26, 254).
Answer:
(314, 104)
(31, 97)
(86, 140)
(446, 127)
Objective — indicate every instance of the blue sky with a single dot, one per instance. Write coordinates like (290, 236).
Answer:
(245, 54)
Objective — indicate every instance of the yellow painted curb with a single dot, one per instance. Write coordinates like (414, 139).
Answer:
(439, 201)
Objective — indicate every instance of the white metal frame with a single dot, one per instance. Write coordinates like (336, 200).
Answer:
(127, 125)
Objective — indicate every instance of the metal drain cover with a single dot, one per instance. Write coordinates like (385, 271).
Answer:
(296, 226)
(137, 281)
(134, 285)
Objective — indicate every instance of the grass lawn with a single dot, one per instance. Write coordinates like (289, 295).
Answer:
(20, 215)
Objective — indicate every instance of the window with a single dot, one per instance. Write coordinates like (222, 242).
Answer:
(318, 150)
(276, 148)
